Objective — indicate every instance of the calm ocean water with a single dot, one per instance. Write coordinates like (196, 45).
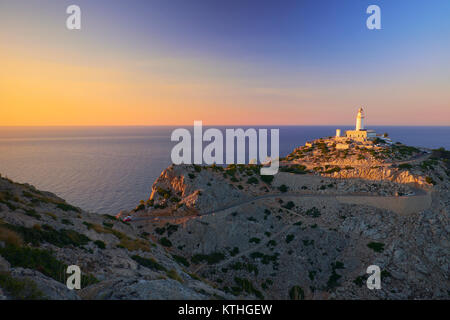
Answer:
(107, 169)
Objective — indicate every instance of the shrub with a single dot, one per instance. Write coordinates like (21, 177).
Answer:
(289, 205)
(100, 244)
(234, 252)
(252, 180)
(211, 258)
(67, 207)
(163, 193)
(430, 180)
(40, 260)
(296, 293)
(20, 289)
(171, 228)
(148, 263)
(174, 275)
(66, 222)
(289, 238)
(10, 237)
(134, 244)
(376, 246)
(313, 212)
(107, 224)
(247, 286)
(165, 242)
(61, 238)
(255, 240)
(32, 213)
(283, 188)
(271, 243)
(267, 178)
(181, 260)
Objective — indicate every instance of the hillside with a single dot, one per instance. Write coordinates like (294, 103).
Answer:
(309, 232)
(41, 234)
(313, 229)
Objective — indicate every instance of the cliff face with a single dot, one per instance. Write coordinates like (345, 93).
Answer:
(191, 189)
(381, 173)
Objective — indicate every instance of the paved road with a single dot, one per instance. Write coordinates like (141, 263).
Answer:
(417, 192)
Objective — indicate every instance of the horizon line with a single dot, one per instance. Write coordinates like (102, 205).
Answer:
(221, 125)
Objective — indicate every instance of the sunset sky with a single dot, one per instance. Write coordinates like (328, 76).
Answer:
(223, 62)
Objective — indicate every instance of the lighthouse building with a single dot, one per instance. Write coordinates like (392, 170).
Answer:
(360, 133)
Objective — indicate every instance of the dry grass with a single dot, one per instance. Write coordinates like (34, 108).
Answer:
(10, 237)
(125, 241)
(134, 245)
(52, 215)
(172, 274)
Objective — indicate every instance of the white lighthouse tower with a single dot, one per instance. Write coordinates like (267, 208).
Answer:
(360, 133)
(360, 120)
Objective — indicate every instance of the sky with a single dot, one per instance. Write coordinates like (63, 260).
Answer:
(234, 62)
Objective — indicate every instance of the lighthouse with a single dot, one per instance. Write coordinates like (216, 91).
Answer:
(360, 120)
(360, 133)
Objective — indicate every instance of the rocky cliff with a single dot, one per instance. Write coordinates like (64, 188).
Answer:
(309, 232)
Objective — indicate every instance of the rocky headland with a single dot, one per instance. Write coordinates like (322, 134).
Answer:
(213, 232)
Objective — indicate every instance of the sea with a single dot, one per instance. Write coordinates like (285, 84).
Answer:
(109, 169)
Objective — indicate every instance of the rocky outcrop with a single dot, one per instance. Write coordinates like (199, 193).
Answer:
(50, 288)
(132, 288)
(380, 173)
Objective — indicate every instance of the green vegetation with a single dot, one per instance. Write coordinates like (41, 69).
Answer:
(148, 263)
(181, 260)
(376, 246)
(313, 212)
(250, 267)
(234, 252)
(265, 259)
(211, 258)
(32, 213)
(289, 205)
(430, 180)
(296, 293)
(246, 286)
(289, 238)
(332, 170)
(255, 240)
(45, 233)
(66, 222)
(163, 193)
(360, 280)
(172, 274)
(100, 244)
(107, 224)
(20, 289)
(165, 242)
(267, 178)
(252, 180)
(297, 169)
(40, 260)
(404, 166)
(67, 207)
(283, 188)
(271, 243)
(334, 277)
